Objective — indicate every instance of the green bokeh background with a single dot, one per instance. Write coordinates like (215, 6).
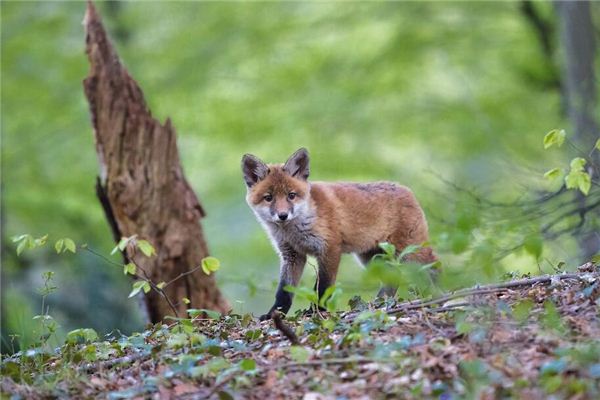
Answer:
(376, 91)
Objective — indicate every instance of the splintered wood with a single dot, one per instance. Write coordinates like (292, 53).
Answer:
(142, 186)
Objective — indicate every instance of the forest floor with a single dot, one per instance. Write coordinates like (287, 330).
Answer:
(533, 338)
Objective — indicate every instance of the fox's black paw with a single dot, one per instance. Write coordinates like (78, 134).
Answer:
(265, 317)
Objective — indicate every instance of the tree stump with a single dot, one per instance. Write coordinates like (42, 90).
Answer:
(141, 184)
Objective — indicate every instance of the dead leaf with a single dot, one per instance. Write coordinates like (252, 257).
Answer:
(184, 388)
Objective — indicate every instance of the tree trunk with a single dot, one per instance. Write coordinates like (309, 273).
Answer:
(141, 185)
(577, 40)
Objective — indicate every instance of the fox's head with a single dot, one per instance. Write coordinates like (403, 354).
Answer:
(278, 193)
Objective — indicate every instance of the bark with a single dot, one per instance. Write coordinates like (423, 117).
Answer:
(141, 185)
(579, 80)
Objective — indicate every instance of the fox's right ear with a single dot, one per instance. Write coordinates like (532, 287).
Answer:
(297, 165)
(254, 169)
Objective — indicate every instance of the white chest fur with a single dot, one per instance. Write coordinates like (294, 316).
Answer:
(299, 234)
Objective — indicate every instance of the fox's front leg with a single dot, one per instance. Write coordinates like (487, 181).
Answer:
(292, 265)
(329, 263)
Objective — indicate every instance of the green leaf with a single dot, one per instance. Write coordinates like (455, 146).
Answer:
(552, 174)
(584, 183)
(217, 364)
(299, 354)
(129, 269)
(577, 164)
(596, 259)
(41, 241)
(146, 248)
(303, 293)
(388, 248)
(463, 327)
(357, 303)
(27, 241)
(408, 250)
(597, 146)
(87, 335)
(579, 180)
(161, 285)
(136, 288)
(146, 287)
(58, 246)
(70, 245)
(195, 312)
(553, 137)
(521, 310)
(22, 245)
(330, 298)
(121, 245)
(224, 395)
(210, 264)
(571, 180)
(19, 238)
(253, 334)
(177, 340)
(248, 364)
(186, 300)
(551, 318)
(552, 383)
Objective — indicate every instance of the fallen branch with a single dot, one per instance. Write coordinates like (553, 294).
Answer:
(326, 361)
(285, 329)
(125, 360)
(478, 290)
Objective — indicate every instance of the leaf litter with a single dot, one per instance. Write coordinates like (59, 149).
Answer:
(533, 339)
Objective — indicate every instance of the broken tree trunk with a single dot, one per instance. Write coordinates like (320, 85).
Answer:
(141, 185)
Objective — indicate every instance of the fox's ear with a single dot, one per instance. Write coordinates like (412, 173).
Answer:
(297, 164)
(254, 169)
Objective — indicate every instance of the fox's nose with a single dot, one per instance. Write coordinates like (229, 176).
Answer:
(282, 216)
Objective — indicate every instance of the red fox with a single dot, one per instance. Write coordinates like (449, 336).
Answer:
(325, 220)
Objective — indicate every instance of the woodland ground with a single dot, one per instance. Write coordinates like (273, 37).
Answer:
(532, 338)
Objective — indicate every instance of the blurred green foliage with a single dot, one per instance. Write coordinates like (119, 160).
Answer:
(408, 92)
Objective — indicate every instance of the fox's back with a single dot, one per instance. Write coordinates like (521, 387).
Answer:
(366, 214)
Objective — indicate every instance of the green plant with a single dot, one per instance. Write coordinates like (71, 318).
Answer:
(329, 301)
(577, 176)
(394, 268)
(48, 325)
(26, 241)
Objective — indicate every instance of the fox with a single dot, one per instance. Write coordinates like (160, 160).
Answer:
(327, 219)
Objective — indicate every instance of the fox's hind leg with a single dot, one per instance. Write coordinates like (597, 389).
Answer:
(365, 258)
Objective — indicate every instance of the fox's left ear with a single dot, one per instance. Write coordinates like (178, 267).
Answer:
(254, 170)
(297, 164)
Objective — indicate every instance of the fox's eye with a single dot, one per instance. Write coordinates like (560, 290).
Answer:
(268, 198)
(291, 195)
